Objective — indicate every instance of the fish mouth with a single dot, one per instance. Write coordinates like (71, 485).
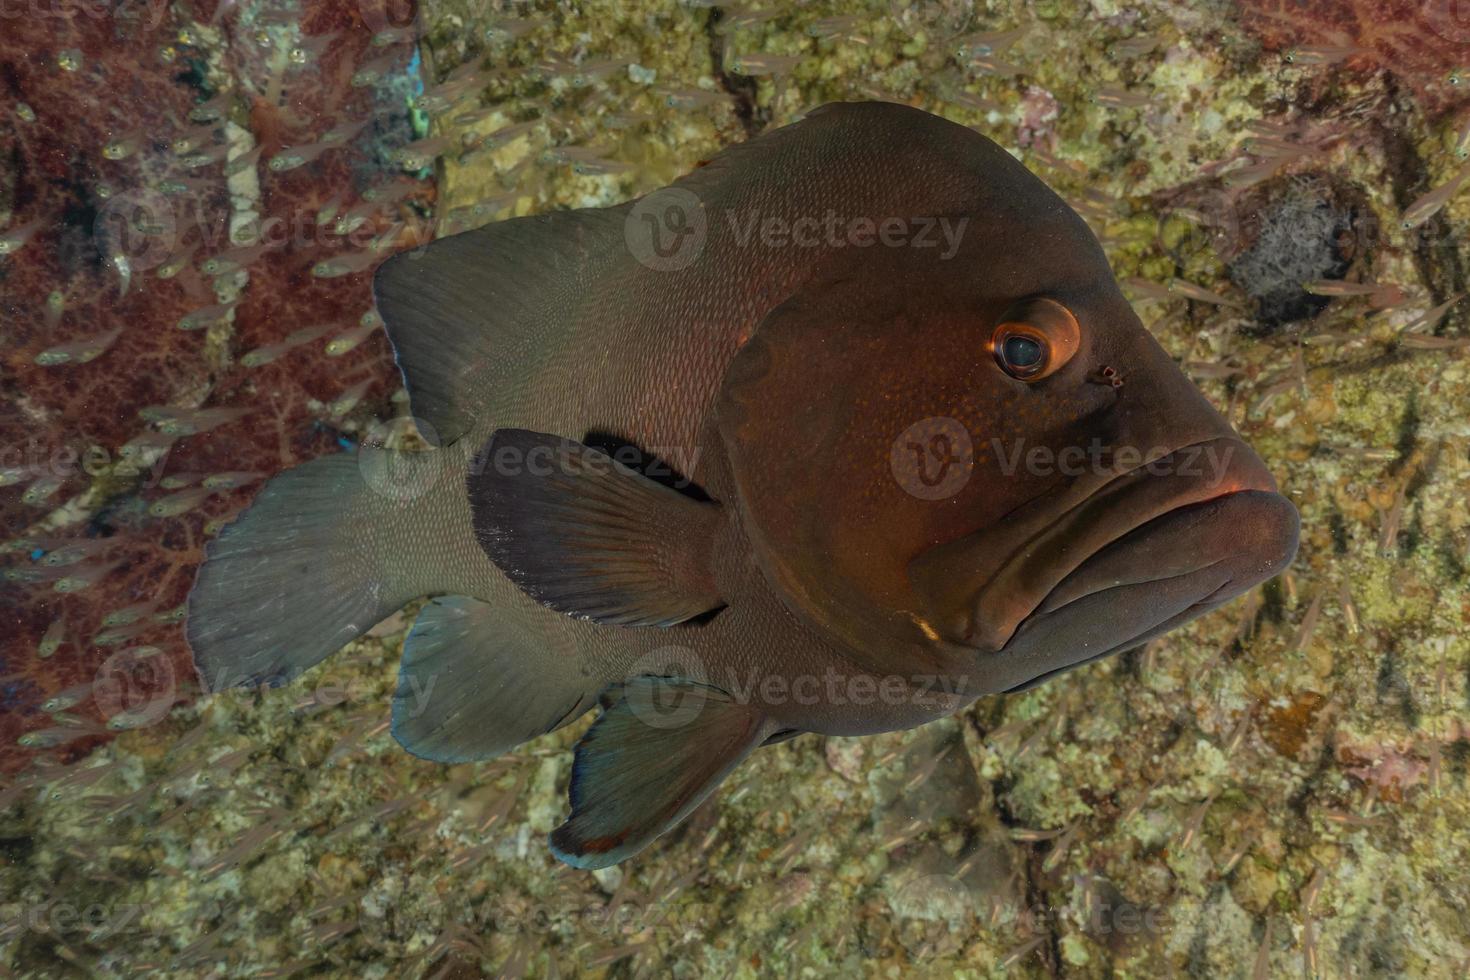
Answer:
(1119, 557)
(1157, 576)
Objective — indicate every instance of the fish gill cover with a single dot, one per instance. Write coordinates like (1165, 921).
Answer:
(1282, 784)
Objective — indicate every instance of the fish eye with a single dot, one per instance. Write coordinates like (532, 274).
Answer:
(1035, 338)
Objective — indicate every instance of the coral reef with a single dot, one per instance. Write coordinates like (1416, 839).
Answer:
(1278, 789)
(186, 314)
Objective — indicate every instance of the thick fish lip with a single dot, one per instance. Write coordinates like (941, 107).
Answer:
(1113, 510)
(1144, 584)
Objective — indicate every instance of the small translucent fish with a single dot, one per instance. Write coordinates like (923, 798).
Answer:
(232, 479)
(1340, 287)
(343, 343)
(1420, 341)
(79, 351)
(1431, 203)
(82, 577)
(207, 316)
(193, 138)
(1251, 175)
(1148, 289)
(145, 444)
(346, 264)
(119, 634)
(264, 355)
(987, 43)
(189, 421)
(180, 481)
(128, 614)
(348, 400)
(310, 48)
(765, 64)
(328, 212)
(52, 639)
(1134, 47)
(370, 72)
(205, 158)
(591, 71)
(1117, 97)
(690, 98)
(211, 111)
(1198, 293)
(179, 503)
(297, 156)
(420, 153)
(1461, 148)
(393, 35)
(235, 258)
(830, 27)
(49, 738)
(989, 65)
(70, 697)
(509, 28)
(390, 192)
(123, 146)
(244, 162)
(1322, 54)
(176, 262)
(14, 238)
(1429, 319)
(343, 132)
(42, 490)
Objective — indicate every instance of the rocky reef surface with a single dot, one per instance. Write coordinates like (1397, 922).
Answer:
(1278, 789)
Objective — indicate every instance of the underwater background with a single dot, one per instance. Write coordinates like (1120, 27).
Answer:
(193, 197)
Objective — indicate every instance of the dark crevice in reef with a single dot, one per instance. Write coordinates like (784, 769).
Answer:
(1037, 900)
(1436, 256)
(1033, 877)
(740, 88)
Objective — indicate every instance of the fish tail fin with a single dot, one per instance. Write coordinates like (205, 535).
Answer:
(306, 568)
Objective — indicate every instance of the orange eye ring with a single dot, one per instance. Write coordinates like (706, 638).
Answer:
(1035, 338)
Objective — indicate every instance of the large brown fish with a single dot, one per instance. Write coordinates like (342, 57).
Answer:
(839, 432)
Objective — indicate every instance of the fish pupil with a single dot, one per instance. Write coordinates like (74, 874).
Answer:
(1021, 352)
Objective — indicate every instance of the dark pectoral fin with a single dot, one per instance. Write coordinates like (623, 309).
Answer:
(653, 756)
(585, 535)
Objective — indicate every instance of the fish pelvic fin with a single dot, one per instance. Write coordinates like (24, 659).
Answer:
(476, 682)
(584, 535)
(656, 753)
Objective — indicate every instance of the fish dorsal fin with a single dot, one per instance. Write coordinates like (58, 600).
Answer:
(585, 535)
(475, 315)
(656, 753)
(469, 313)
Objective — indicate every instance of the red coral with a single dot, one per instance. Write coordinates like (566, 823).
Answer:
(1420, 42)
(96, 553)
